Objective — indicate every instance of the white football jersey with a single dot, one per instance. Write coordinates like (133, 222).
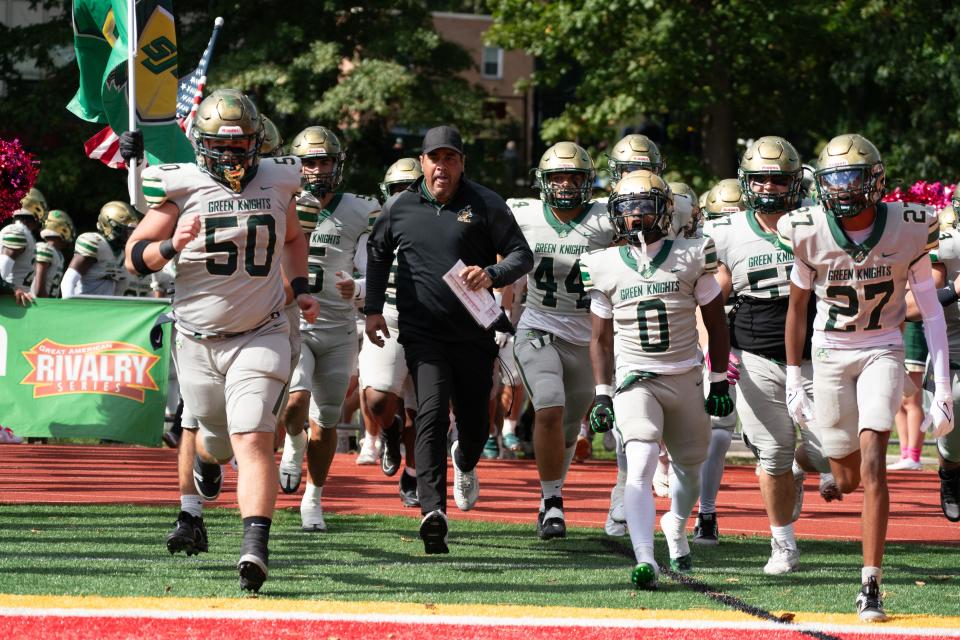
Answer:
(229, 276)
(107, 275)
(334, 234)
(758, 261)
(860, 287)
(948, 254)
(18, 236)
(654, 307)
(48, 254)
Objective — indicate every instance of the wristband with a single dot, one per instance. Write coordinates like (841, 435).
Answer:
(299, 286)
(717, 376)
(604, 390)
(947, 296)
(167, 250)
(136, 258)
(794, 377)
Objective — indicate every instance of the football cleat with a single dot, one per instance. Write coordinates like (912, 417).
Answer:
(291, 463)
(829, 490)
(253, 558)
(950, 493)
(408, 490)
(189, 535)
(433, 532)
(512, 442)
(368, 451)
(706, 531)
(869, 604)
(491, 449)
(550, 522)
(311, 516)
(675, 533)
(466, 486)
(583, 450)
(905, 464)
(207, 478)
(783, 559)
(390, 445)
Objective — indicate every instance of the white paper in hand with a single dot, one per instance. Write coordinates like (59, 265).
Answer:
(479, 303)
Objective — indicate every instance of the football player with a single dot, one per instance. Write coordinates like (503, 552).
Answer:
(58, 232)
(335, 224)
(272, 145)
(755, 268)
(857, 255)
(947, 258)
(646, 361)
(97, 264)
(229, 222)
(384, 379)
(631, 153)
(553, 334)
(18, 240)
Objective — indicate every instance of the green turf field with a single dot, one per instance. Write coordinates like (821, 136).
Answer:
(119, 550)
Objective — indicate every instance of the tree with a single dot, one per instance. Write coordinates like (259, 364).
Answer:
(358, 68)
(716, 71)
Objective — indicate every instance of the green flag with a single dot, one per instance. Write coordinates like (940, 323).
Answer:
(100, 41)
(84, 369)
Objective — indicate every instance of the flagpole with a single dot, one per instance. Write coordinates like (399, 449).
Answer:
(133, 171)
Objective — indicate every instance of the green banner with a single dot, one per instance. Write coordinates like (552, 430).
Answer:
(84, 369)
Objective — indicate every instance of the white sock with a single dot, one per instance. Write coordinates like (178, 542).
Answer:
(509, 427)
(192, 504)
(312, 493)
(296, 443)
(870, 572)
(638, 503)
(784, 535)
(684, 489)
(711, 473)
(549, 489)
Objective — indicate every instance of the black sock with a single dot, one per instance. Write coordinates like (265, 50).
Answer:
(261, 522)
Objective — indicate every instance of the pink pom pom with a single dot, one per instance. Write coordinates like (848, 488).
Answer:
(18, 173)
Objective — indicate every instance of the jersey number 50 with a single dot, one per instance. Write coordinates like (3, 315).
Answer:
(230, 248)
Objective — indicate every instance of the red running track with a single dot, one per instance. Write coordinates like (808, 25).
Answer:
(119, 474)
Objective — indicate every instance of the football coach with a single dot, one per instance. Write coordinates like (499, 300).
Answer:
(440, 219)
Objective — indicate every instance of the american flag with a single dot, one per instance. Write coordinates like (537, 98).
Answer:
(105, 145)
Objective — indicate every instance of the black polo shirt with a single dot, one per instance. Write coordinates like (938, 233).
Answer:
(428, 238)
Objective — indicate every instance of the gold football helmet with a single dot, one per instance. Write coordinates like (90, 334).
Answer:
(35, 203)
(724, 198)
(228, 116)
(771, 159)
(688, 227)
(641, 207)
(400, 175)
(565, 157)
(850, 176)
(319, 142)
(116, 221)
(272, 144)
(634, 152)
(58, 225)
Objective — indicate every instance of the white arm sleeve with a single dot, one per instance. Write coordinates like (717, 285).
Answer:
(706, 289)
(6, 267)
(934, 324)
(802, 275)
(70, 283)
(600, 305)
(360, 264)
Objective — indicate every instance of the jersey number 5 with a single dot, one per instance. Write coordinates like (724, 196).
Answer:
(230, 248)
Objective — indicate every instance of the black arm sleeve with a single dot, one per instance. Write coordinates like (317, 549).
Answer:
(509, 242)
(380, 254)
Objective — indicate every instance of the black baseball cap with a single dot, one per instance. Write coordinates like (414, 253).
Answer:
(443, 137)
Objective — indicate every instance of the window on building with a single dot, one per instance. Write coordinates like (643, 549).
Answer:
(491, 65)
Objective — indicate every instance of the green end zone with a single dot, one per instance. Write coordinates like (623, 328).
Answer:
(120, 551)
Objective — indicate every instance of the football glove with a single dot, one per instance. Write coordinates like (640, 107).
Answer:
(131, 145)
(719, 403)
(601, 414)
(799, 406)
(939, 420)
